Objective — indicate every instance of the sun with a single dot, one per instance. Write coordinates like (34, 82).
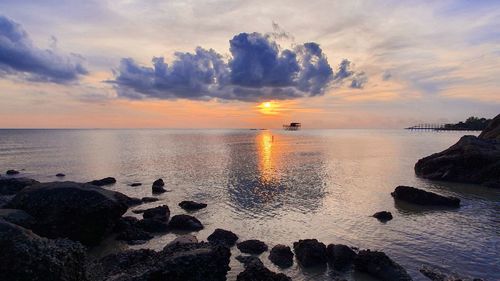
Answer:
(269, 108)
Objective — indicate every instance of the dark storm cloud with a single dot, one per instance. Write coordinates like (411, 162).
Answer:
(19, 56)
(258, 69)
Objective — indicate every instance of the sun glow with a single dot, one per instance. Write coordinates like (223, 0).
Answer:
(269, 108)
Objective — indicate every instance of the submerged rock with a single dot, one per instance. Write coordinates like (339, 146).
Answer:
(252, 246)
(194, 262)
(281, 256)
(191, 205)
(81, 212)
(383, 216)
(103, 182)
(12, 172)
(158, 186)
(185, 222)
(135, 184)
(422, 197)
(435, 275)
(27, 256)
(18, 217)
(60, 175)
(223, 237)
(379, 265)
(11, 186)
(161, 213)
(257, 271)
(310, 252)
(149, 199)
(340, 256)
(471, 160)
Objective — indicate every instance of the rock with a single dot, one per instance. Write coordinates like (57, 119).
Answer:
(193, 262)
(12, 172)
(379, 265)
(131, 201)
(158, 186)
(383, 216)
(104, 181)
(185, 222)
(223, 237)
(492, 131)
(11, 186)
(249, 260)
(153, 225)
(471, 160)
(161, 213)
(281, 256)
(133, 235)
(422, 197)
(18, 217)
(435, 275)
(183, 239)
(135, 184)
(191, 205)
(149, 199)
(252, 246)
(257, 271)
(310, 252)
(340, 256)
(27, 256)
(5, 199)
(81, 212)
(60, 175)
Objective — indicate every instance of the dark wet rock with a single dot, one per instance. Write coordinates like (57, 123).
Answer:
(257, 271)
(472, 159)
(158, 186)
(18, 217)
(191, 205)
(153, 225)
(252, 246)
(149, 199)
(183, 239)
(340, 256)
(379, 265)
(223, 237)
(103, 182)
(11, 186)
(249, 260)
(310, 252)
(422, 197)
(81, 212)
(5, 199)
(132, 201)
(435, 275)
(160, 213)
(138, 211)
(60, 175)
(27, 256)
(281, 256)
(135, 184)
(383, 216)
(12, 172)
(194, 262)
(133, 235)
(185, 222)
(492, 131)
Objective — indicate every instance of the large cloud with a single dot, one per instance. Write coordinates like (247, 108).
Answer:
(19, 56)
(258, 69)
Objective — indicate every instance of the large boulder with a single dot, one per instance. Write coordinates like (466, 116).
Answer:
(185, 222)
(257, 271)
(128, 231)
(81, 212)
(252, 246)
(191, 205)
(472, 159)
(281, 256)
(157, 186)
(18, 217)
(27, 256)
(180, 262)
(223, 237)
(10, 186)
(383, 216)
(310, 252)
(379, 265)
(340, 256)
(161, 212)
(422, 197)
(103, 182)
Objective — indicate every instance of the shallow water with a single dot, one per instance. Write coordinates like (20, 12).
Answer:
(282, 186)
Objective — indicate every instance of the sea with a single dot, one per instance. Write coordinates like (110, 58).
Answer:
(281, 186)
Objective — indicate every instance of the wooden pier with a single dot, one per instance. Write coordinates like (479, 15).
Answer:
(428, 127)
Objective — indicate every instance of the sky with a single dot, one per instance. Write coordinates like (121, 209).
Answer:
(247, 64)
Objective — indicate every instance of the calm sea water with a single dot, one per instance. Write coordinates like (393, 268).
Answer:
(282, 186)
